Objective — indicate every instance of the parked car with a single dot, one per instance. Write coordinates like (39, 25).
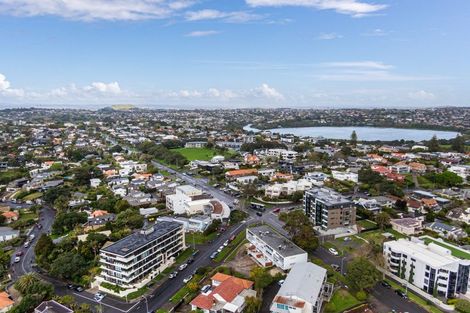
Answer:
(79, 288)
(206, 288)
(214, 254)
(333, 251)
(231, 238)
(277, 210)
(99, 296)
(259, 213)
(19, 253)
(220, 249)
(281, 282)
(401, 294)
(70, 286)
(17, 259)
(335, 267)
(226, 243)
(26, 244)
(182, 266)
(187, 279)
(173, 274)
(386, 285)
(189, 261)
(195, 253)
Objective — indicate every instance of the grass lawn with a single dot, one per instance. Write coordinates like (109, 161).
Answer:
(180, 294)
(367, 224)
(416, 299)
(199, 238)
(27, 216)
(33, 196)
(341, 301)
(455, 252)
(230, 247)
(203, 154)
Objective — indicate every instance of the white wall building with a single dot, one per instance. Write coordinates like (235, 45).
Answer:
(269, 248)
(429, 267)
(287, 188)
(461, 170)
(302, 290)
(345, 176)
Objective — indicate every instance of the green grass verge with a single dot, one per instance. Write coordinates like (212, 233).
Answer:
(186, 254)
(199, 238)
(341, 301)
(33, 196)
(455, 252)
(366, 224)
(136, 294)
(180, 294)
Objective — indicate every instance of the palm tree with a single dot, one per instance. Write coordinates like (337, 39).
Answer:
(25, 282)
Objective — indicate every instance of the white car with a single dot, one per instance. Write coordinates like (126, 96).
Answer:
(206, 289)
(182, 266)
(187, 279)
(17, 259)
(99, 296)
(333, 251)
(281, 282)
(220, 249)
(226, 243)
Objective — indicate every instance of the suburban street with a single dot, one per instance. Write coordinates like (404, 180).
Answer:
(384, 299)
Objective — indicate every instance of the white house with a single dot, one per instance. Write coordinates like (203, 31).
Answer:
(302, 290)
(345, 176)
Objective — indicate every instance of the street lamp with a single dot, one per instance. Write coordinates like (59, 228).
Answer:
(342, 260)
(146, 304)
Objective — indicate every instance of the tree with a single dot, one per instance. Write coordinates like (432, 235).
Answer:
(69, 265)
(401, 205)
(252, 305)
(362, 274)
(25, 282)
(300, 228)
(382, 219)
(353, 138)
(462, 305)
(433, 144)
(261, 277)
(458, 144)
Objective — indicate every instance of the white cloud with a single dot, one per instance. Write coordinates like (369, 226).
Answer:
(359, 65)
(6, 90)
(354, 8)
(112, 88)
(421, 95)
(378, 32)
(230, 17)
(268, 92)
(329, 36)
(89, 10)
(202, 33)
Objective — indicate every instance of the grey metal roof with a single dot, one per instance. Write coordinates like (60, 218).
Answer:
(328, 196)
(137, 240)
(305, 281)
(277, 242)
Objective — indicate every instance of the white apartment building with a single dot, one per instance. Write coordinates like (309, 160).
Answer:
(287, 188)
(461, 170)
(345, 176)
(429, 267)
(302, 290)
(400, 169)
(269, 248)
(132, 166)
(189, 200)
(136, 259)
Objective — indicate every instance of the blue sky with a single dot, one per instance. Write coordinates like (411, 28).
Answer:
(235, 53)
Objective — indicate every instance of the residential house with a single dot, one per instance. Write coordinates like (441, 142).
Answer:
(302, 290)
(7, 233)
(227, 294)
(408, 226)
(52, 306)
(10, 216)
(6, 303)
(445, 230)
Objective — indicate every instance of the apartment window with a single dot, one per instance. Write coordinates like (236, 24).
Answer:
(282, 306)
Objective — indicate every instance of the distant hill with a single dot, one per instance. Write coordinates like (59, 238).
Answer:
(123, 107)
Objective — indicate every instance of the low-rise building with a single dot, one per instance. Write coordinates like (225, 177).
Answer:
(5, 302)
(302, 290)
(287, 188)
(345, 176)
(407, 226)
(328, 209)
(445, 230)
(227, 294)
(7, 233)
(133, 261)
(52, 306)
(431, 268)
(269, 248)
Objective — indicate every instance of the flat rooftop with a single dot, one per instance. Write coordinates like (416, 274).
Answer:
(133, 242)
(329, 196)
(277, 242)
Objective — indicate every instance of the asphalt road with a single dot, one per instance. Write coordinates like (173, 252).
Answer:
(386, 299)
(46, 218)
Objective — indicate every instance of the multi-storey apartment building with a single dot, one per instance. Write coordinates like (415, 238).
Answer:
(329, 209)
(134, 260)
(269, 248)
(429, 267)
